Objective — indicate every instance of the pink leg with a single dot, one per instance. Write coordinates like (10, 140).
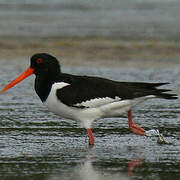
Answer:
(91, 136)
(134, 128)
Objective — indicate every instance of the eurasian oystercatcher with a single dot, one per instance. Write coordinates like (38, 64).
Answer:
(85, 98)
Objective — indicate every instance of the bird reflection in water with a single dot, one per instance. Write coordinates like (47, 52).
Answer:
(88, 171)
(132, 164)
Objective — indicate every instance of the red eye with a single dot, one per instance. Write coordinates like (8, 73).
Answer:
(40, 60)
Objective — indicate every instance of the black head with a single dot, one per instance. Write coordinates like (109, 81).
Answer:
(44, 63)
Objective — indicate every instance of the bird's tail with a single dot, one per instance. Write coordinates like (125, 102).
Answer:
(162, 93)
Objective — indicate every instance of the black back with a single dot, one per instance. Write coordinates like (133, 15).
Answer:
(83, 88)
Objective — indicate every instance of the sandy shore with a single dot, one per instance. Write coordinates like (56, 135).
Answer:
(93, 51)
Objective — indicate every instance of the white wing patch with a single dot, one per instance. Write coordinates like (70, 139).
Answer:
(98, 102)
(59, 85)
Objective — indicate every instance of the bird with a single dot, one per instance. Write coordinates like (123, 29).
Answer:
(87, 98)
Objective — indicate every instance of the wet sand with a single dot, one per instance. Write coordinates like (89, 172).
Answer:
(96, 51)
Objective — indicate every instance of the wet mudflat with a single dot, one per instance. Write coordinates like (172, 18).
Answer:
(36, 144)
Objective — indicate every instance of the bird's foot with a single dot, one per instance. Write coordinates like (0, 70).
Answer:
(137, 130)
(91, 142)
(134, 128)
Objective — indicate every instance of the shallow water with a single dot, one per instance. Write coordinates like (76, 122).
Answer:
(36, 144)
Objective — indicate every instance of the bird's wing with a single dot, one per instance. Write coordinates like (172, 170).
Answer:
(84, 91)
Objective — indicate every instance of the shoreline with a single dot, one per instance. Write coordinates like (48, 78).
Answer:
(95, 51)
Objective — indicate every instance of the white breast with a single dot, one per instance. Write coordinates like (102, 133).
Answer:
(54, 104)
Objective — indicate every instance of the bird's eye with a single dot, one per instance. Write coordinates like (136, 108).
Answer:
(40, 60)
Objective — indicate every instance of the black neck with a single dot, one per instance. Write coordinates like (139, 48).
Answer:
(43, 84)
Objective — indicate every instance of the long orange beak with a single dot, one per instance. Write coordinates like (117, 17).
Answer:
(24, 75)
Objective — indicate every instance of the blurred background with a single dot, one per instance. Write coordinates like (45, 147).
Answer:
(124, 40)
(137, 33)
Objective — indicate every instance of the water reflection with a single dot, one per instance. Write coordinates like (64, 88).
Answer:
(89, 170)
(133, 164)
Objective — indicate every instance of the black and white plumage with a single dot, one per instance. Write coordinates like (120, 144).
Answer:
(85, 98)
